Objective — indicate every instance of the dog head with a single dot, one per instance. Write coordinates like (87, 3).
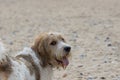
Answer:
(52, 49)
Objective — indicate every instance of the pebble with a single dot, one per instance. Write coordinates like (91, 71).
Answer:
(65, 75)
(81, 73)
(80, 66)
(105, 61)
(102, 78)
(90, 78)
(27, 20)
(83, 56)
(107, 39)
(11, 43)
(109, 45)
(0, 28)
(94, 59)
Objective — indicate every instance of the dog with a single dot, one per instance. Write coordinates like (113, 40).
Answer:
(48, 51)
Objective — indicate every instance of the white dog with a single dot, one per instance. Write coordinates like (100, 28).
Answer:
(36, 62)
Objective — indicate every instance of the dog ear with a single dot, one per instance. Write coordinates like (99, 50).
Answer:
(41, 49)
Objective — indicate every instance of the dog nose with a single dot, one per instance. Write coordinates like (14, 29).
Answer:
(67, 49)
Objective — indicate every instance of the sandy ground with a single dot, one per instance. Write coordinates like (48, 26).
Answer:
(92, 27)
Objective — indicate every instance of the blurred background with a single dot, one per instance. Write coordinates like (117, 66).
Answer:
(92, 27)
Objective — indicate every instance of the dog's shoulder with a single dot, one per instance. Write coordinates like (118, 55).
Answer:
(28, 57)
(28, 52)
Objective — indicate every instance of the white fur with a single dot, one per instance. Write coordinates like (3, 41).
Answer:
(59, 49)
(21, 72)
(2, 51)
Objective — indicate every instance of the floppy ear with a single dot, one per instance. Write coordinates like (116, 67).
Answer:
(41, 50)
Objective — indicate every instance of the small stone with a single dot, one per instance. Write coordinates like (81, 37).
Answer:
(80, 77)
(107, 38)
(90, 78)
(81, 73)
(14, 32)
(109, 44)
(94, 59)
(98, 65)
(74, 32)
(82, 56)
(65, 75)
(0, 28)
(105, 61)
(11, 43)
(27, 20)
(80, 66)
(102, 78)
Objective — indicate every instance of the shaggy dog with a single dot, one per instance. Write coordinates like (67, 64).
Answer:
(36, 62)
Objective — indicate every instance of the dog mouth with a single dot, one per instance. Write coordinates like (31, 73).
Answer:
(64, 62)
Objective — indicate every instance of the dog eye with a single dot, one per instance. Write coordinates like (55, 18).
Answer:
(53, 43)
(63, 39)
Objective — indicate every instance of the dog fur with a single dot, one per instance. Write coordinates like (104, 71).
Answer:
(49, 50)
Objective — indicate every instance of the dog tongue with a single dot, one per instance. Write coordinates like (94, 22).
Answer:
(65, 62)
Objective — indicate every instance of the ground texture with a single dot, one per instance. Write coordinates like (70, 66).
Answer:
(92, 27)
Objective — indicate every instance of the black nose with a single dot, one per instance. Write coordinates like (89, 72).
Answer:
(67, 49)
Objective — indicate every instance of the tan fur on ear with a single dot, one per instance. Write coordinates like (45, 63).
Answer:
(41, 49)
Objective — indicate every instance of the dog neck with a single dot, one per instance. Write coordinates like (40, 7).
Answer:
(43, 64)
